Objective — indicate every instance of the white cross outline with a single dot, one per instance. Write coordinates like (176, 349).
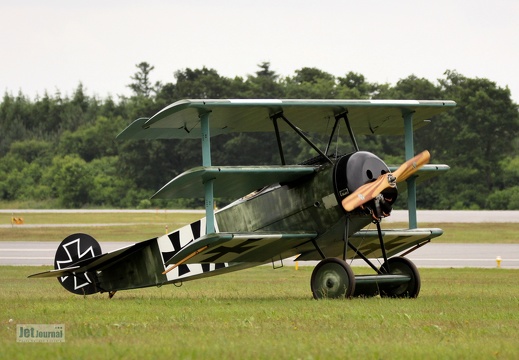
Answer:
(80, 255)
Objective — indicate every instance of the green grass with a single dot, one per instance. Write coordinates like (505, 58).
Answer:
(265, 313)
(470, 233)
(259, 313)
(155, 217)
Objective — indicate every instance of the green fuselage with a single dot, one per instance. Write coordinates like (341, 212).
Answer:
(308, 204)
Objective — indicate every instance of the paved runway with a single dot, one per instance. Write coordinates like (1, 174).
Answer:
(430, 255)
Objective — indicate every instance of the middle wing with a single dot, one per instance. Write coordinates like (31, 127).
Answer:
(230, 181)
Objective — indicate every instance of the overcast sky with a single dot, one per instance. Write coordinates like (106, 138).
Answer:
(56, 44)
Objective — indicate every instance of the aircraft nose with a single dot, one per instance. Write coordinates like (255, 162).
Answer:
(356, 169)
(360, 168)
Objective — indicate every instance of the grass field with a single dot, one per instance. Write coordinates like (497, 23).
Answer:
(265, 313)
(260, 312)
(142, 226)
(125, 226)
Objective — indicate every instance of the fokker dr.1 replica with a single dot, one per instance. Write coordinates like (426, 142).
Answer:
(317, 210)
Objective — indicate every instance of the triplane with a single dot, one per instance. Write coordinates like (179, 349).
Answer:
(317, 210)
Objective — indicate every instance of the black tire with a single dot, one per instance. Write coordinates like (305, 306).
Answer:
(74, 248)
(402, 266)
(332, 278)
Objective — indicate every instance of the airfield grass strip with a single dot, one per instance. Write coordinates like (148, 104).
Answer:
(470, 233)
(265, 313)
(126, 226)
(132, 233)
(156, 217)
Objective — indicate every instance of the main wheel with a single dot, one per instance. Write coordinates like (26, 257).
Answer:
(75, 248)
(402, 266)
(332, 278)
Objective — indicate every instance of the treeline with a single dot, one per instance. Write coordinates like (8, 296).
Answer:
(60, 151)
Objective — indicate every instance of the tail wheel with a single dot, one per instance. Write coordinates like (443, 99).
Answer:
(332, 278)
(75, 248)
(402, 266)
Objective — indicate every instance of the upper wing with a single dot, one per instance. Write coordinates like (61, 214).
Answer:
(230, 181)
(253, 247)
(182, 118)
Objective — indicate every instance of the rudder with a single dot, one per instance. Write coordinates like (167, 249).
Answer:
(74, 248)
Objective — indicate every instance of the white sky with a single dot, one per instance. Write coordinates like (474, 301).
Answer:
(55, 44)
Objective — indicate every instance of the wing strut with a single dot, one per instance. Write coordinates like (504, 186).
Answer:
(344, 115)
(302, 135)
(337, 118)
(278, 138)
(209, 184)
(411, 182)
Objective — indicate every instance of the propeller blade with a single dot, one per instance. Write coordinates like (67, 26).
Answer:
(368, 192)
(411, 166)
(371, 190)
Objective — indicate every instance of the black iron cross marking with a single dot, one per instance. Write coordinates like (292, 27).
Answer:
(221, 251)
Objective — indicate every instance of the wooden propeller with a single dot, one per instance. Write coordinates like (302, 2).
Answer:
(371, 190)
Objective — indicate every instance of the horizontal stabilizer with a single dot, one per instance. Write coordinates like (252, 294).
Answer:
(230, 181)
(94, 263)
(56, 273)
(257, 247)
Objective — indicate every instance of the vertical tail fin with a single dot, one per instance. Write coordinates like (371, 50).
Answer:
(74, 248)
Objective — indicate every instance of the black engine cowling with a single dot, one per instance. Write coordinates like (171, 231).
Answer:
(356, 169)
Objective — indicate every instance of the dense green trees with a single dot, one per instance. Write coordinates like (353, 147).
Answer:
(58, 151)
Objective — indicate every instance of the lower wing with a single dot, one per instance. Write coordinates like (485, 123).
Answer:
(367, 242)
